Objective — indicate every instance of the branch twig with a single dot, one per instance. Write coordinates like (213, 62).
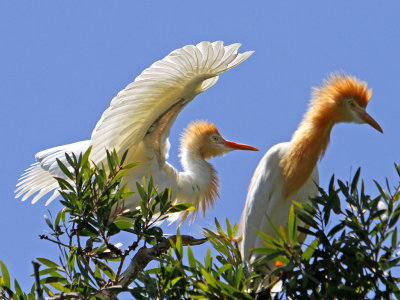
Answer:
(39, 291)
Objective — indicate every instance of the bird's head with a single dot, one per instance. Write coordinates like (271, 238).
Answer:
(203, 138)
(344, 98)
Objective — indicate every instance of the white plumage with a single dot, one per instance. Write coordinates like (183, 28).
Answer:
(265, 197)
(140, 118)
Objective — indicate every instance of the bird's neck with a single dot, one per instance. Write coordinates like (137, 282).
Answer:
(199, 183)
(308, 144)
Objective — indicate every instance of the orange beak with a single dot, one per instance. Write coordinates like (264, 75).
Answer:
(369, 120)
(237, 146)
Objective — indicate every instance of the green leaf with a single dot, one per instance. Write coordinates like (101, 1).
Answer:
(89, 230)
(267, 238)
(58, 218)
(51, 271)
(5, 275)
(224, 268)
(383, 193)
(141, 191)
(266, 251)
(277, 231)
(123, 157)
(82, 269)
(64, 169)
(131, 165)
(310, 250)
(85, 157)
(105, 268)
(123, 224)
(343, 188)
(46, 218)
(53, 279)
(71, 259)
(355, 180)
(69, 159)
(60, 287)
(18, 290)
(208, 260)
(48, 263)
(209, 278)
(181, 207)
(150, 185)
(394, 238)
(64, 184)
(336, 229)
(191, 259)
(229, 229)
(175, 280)
(110, 161)
(292, 225)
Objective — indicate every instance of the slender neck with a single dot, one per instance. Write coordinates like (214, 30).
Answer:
(200, 179)
(308, 144)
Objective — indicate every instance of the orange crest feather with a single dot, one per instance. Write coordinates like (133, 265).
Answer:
(195, 134)
(339, 86)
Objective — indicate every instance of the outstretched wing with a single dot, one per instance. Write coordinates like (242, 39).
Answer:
(148, 106)
(151, 103)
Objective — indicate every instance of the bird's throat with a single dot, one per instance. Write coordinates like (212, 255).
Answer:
(200, 175)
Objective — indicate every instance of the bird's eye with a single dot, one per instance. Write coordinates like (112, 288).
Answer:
(351, 102)
(215, 138)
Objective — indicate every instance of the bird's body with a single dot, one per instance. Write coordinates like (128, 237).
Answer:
(288, 171)
(265, 197)
(139, 119)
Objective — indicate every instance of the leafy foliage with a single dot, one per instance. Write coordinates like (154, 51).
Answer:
(353, 247)
(83, 230)
(351, 250)
(222, 277)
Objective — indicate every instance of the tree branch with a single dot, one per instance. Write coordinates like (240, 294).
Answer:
(145, 255)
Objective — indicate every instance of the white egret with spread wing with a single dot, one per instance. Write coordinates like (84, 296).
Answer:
(139, 119)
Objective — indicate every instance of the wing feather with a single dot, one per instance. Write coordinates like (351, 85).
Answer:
(40, 176)
(182, 74)
(266, 196)
(264, 190)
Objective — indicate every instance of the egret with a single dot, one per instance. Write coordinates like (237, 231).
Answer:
(288, 170)
(139, 119)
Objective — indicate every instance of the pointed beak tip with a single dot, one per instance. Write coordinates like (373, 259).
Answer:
(371, 121)
(376, 126)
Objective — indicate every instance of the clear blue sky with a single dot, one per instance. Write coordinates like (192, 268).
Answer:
(61, 63)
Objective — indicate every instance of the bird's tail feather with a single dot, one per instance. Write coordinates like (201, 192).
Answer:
(40, 176)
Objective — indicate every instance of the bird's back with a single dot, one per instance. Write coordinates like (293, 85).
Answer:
(164, 175)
